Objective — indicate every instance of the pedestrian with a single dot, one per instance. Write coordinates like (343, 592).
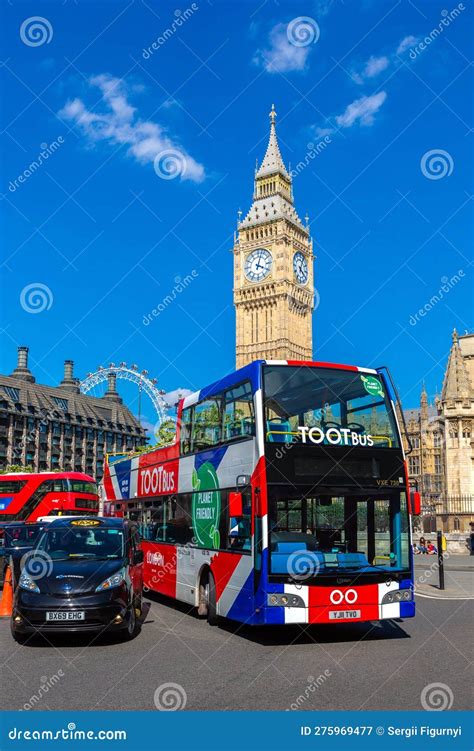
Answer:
(422, 545)
(430, 548)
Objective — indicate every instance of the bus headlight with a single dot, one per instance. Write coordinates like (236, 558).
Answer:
(398, 595)
(26, 582)
(286, 601)
(113, 581)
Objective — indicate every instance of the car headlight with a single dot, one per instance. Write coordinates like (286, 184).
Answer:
(398, 595)
(26, 582)
(113, 581)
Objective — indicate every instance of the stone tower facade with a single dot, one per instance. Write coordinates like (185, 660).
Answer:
(441, 462)
(273, 269)
(457, 408)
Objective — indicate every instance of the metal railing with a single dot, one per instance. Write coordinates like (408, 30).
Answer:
(453, 504)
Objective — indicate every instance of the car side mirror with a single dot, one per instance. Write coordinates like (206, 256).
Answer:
(138, 556)
(235, 504)
(415, 503)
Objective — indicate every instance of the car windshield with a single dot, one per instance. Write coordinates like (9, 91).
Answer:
(68, 543)
(312, 534)
(22, 536)
(327, 406)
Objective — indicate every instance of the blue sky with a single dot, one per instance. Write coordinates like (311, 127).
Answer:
(107, 230)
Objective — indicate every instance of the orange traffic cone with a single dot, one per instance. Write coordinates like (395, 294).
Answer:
(7, 595)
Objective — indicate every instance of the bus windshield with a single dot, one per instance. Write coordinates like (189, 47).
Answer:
(315, 534)
(327, 406)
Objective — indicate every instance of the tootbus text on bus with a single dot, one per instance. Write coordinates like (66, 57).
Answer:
(284, 498)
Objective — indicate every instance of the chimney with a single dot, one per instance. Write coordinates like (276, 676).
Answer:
(22, 371)
(112, 392)
(69, 382)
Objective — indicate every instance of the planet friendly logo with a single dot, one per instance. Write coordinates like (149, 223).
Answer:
(372, 385)
(206, 506)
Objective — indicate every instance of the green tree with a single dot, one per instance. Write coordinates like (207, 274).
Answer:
(16, 468)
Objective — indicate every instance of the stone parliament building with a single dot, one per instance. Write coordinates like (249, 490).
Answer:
(441, 434)
(58, 427)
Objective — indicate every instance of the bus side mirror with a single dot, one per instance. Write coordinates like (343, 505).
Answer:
(415, 503)
(235, 504)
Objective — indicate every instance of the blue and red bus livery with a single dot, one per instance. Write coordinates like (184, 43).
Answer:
(284, 498)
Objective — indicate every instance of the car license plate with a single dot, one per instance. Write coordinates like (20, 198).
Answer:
(65, 615)
(339, 615)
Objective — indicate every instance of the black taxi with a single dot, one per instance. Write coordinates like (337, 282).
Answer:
(83, 575)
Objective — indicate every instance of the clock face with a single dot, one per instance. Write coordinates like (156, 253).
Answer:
(300, 267)
(258, 264)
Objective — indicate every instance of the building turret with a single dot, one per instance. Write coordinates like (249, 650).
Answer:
(112, 392)
(22, 370)
(69, 382)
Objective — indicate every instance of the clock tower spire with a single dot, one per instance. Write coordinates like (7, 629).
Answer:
(273, 268)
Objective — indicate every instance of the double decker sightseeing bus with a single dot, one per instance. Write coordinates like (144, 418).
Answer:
(284, 498)
(28, 496)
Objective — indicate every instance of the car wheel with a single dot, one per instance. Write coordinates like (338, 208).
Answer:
(133, 623)
(212, 617)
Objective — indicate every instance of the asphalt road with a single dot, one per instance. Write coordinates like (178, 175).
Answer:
(366, 666)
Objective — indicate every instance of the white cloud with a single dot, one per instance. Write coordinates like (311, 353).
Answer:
(321, 132)
(323, 7)
(120, 124)
(375, 65)
(408, 41)
(361, 110)
(281, 56)
(372, 68)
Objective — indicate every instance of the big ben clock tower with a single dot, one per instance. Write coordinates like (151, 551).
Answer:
(273, 269)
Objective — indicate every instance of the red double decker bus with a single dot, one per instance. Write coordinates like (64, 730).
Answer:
(29, 496)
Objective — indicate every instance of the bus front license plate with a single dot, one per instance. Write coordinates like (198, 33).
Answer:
(77, 615)
(339, 615)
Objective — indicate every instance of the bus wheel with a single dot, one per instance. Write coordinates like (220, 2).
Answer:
(212, 617)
